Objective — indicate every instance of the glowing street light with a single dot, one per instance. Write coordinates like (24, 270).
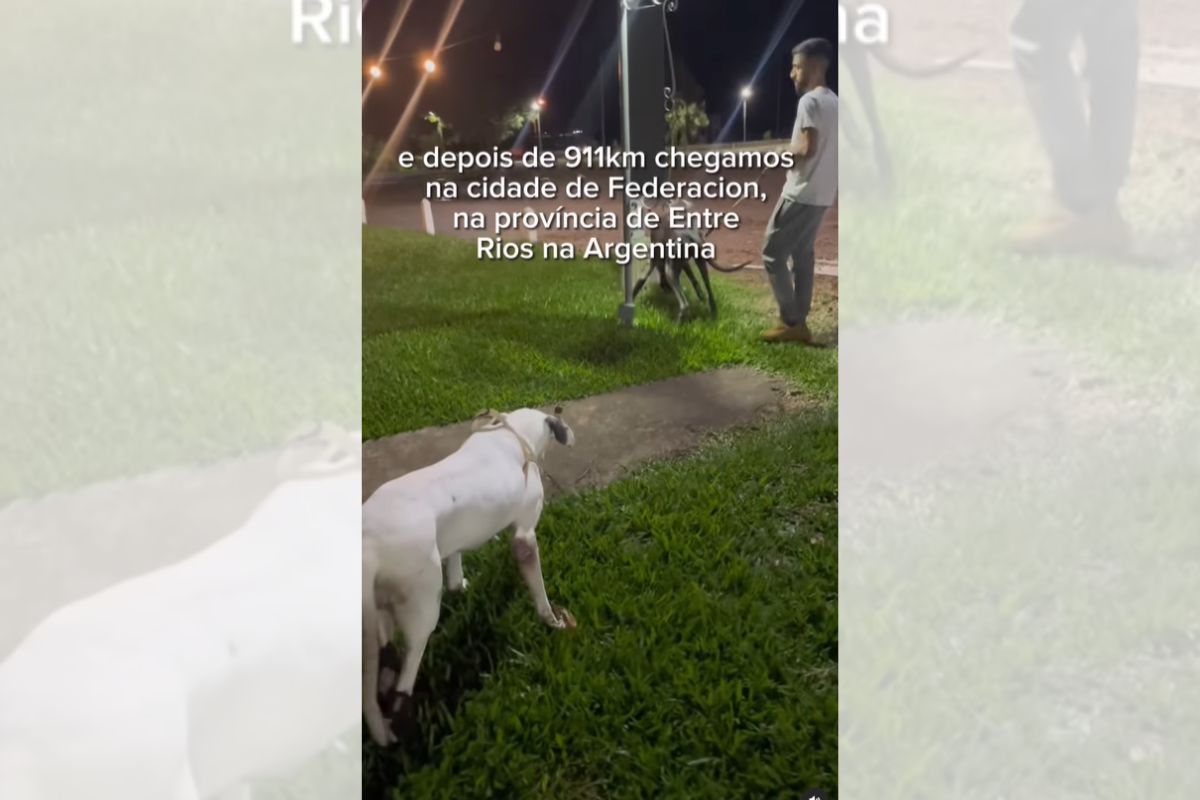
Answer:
(747, 93)
(536, 106)
(429, 65)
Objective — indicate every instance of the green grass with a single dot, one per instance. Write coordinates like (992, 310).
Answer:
(705, 661)
(1052, 634)
(157, 348)
(939, 247)
(177, 282)
(1018, 625)
(446, 335)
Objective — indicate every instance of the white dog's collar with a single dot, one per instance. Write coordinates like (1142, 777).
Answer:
(493, 421)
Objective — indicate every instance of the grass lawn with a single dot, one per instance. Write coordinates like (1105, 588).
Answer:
(446, 335)
(177, 282)
(705, 662)
(1024, 625)
(158, 349)
(1047, 646)
(940, 246)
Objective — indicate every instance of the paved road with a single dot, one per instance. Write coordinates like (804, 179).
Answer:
(398, 205)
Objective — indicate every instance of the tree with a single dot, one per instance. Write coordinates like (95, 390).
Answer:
(437, 122)
(685, 122)
(508, 125)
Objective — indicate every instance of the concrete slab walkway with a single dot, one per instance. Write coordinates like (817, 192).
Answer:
(613, 432)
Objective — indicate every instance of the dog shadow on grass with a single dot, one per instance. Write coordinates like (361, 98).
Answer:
(572, 338)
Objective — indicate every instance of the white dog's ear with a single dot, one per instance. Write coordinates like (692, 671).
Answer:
(485, 420)
(561, 430)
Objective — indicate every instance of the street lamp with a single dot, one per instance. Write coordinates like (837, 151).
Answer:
(747, 93)
(429, 64)
(537, 107)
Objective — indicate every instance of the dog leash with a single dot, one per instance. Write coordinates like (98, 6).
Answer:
(742, 199)
(494, 421)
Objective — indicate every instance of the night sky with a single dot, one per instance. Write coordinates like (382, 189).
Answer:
(718, 44)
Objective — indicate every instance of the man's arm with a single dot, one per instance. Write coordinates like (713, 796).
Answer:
(807, 145)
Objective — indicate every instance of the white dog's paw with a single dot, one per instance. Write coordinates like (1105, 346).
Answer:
(461, 586)
(560, 619)
(380, 731)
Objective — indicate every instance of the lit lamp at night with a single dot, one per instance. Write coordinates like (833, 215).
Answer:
(537, 107)
(747, 93)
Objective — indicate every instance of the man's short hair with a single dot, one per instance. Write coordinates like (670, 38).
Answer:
(815, 48)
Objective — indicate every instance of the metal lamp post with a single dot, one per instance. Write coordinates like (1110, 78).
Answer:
(537, 107)
(747, 93)
(643, 123)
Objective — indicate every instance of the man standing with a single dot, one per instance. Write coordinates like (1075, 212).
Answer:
(810, 190)
(1085, 125)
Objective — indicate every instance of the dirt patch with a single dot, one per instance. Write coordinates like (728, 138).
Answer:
(825, 293)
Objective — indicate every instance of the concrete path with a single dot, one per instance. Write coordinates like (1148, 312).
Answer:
(613, 432)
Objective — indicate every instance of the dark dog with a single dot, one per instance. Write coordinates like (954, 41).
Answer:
(669, 273)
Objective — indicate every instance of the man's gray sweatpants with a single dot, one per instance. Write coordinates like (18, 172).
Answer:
(1086, 126)
(792, 232)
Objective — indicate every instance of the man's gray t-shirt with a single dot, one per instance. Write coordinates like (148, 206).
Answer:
(814, 180)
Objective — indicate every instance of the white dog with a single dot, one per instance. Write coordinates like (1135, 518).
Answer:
(190, 681)
(414, 523)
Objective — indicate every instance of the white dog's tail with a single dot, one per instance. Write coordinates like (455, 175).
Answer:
(370, 654)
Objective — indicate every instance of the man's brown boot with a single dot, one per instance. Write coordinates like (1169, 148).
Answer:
(1099, 233)
(788, 333)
